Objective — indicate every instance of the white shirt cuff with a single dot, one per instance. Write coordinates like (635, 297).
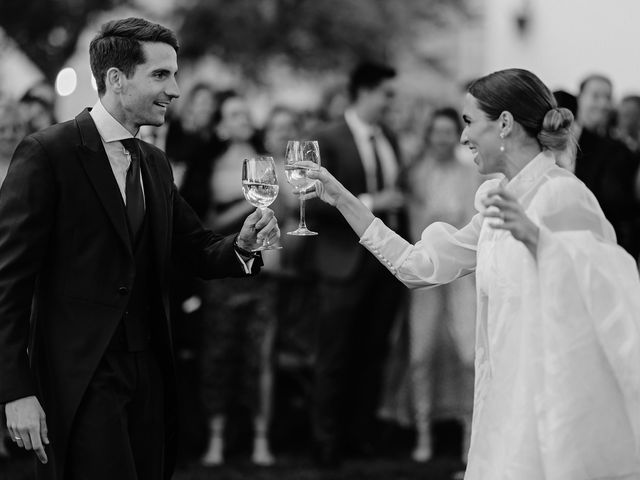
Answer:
(246, 263)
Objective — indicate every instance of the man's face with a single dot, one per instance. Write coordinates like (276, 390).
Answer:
(594, 104)
(377, 101)
(147, 93)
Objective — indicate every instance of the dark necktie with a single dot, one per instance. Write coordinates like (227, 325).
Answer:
(133, 189)
(379, 173)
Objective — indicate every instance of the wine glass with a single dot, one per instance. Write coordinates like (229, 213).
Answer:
(260, 187)
(297, 152)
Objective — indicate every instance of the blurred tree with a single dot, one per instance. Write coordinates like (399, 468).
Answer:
(47, 30)
(308, 34)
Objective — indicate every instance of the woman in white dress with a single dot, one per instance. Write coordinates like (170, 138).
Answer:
(557, 388)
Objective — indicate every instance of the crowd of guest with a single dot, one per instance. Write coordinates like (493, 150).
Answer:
(325, 322)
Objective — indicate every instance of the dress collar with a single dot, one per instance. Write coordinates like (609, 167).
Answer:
(530, 174)
(109, 128)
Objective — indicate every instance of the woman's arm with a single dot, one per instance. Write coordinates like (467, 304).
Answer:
(328, 189)
(442, 255)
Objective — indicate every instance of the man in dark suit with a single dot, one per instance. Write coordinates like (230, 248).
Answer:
(605, 164)
(359, 297)
(90, 221)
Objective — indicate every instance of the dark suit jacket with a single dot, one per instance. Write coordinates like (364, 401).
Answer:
(335, 253)
(608, 168)
(67, 267)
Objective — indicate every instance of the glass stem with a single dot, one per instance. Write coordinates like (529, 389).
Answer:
(303, 223)
(264, 240)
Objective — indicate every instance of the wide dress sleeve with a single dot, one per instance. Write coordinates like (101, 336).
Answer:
(584, 339)
(442, 254)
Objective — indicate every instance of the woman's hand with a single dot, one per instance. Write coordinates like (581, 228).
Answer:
(325, 187)
(328, 189)
(504, 206)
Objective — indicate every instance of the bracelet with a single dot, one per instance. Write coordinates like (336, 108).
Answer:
(244, 252)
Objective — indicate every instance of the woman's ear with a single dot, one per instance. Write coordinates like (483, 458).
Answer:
(506, 122)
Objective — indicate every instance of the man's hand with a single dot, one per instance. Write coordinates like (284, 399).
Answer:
(259, 228)
(27, 425)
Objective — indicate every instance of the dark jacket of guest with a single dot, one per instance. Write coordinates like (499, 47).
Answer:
(608, 169)
(336, 253)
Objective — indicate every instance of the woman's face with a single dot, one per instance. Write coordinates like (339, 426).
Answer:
(201, 108)
(280, 128)
(482, 136)
(444, 135)
(235, 123)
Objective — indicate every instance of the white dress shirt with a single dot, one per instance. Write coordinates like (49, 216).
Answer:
(111, 132)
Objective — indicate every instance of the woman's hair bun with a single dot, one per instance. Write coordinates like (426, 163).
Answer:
(557, 118)
(556, 128)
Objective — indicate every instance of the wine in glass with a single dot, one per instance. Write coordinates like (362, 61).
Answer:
(260, 187)
(300, 157)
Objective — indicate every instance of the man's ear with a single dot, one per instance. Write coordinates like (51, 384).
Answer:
(114, 79)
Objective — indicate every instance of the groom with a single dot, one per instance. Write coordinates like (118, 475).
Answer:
(90, 221)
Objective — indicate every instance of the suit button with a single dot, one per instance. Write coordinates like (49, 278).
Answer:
(123, 290)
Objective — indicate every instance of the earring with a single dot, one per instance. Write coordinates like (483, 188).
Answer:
(502, 144)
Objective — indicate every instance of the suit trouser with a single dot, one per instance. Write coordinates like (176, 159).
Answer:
(118, 432)
(352, 337)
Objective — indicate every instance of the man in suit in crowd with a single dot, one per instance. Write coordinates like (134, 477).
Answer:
(90, 221)
(605, 164)
(359, 296)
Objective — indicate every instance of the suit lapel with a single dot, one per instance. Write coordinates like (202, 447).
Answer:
(96, 164)
(156, 205)
(354, 170)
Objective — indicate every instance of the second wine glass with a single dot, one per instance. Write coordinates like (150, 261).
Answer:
(260, 187)
(300, 157)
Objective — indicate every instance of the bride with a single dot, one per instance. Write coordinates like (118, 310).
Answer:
(557, 389)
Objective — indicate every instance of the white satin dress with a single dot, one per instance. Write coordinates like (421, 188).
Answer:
(557, 368)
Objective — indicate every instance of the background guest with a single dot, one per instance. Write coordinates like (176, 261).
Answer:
(442, 319)
(628, 122)
(605, 164)
(190, 141)
(360, 301)
(37, 107)
(239, 316)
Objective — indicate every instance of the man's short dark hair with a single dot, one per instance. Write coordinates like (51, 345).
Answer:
(367, 76)
(119, 44)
